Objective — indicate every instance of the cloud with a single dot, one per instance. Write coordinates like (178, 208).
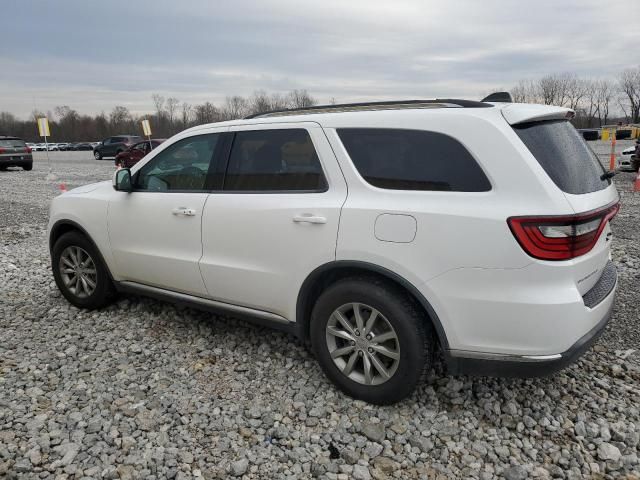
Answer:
(93, 55)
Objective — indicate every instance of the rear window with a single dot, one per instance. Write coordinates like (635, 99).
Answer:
(564, 155)
(399, 159)
(12, 143)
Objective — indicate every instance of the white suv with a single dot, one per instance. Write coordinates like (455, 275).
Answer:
(375, 232)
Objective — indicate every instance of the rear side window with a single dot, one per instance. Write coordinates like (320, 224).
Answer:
(564, 155)
(413, 160)
(12, 143)
(274, 160)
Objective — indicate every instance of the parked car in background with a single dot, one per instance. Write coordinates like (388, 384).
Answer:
(83, 146)
(112, 146)
(374, 232)
(624, 160)
(14, 152)
(39, 147)
(635, 158)
(136, 152)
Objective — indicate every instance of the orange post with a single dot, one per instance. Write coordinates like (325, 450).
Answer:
(636, 184)
(612, 159)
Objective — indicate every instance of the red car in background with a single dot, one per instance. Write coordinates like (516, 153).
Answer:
(136, 152)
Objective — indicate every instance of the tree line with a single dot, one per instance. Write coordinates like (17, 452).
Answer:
(593, 100)
(597, 102)
(170, 116)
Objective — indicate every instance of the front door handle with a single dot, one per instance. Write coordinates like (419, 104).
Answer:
(308, 218)
(187, 212)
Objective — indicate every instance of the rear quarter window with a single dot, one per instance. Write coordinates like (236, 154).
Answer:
(398, 159)
(564, 156)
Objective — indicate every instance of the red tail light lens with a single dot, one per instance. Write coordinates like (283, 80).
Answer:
(27, 149)
(561, 237)
(2, 150)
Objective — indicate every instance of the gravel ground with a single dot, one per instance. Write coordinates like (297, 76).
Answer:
(147, 390)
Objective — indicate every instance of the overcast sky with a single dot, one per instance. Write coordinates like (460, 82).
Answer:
(92, 55)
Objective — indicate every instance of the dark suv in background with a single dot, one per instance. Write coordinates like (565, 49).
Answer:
(112, 146)
(14, 152)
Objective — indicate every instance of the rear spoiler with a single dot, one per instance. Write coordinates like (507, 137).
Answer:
(524, 112)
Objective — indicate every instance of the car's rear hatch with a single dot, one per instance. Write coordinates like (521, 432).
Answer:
(581, 240)
(13, 149)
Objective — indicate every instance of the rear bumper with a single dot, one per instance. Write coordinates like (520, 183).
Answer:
(505, 365)
(16, 160)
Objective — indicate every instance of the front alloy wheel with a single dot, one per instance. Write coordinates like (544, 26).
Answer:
(97, 155)
(78, 271)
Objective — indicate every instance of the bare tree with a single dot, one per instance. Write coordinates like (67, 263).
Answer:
(629, 83)
(120, 119)
(158, 102)
(604, 92)
(574, 90)
(187, 112)
(300, 99)
(235, 107)
(206, 113)
(172, 108)
(525, 92)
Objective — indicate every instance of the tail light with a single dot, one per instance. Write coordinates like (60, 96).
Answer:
(561, 237)
(2, 150)
(27, 149)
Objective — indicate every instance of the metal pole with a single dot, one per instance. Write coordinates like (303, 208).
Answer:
(46, 146)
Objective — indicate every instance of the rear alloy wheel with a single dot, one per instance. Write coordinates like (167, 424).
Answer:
(371, 339)
(363, 344)
(80, 273)
(97, 155)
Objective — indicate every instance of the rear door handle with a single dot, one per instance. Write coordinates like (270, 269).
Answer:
(187, 212)
(307, 218)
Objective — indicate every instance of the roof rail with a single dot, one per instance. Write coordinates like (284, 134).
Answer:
(368, 106)
(498, 97)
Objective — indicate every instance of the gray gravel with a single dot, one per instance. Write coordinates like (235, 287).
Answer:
(147, 390)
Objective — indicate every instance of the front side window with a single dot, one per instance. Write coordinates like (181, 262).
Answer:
(183, 166)
(399, 159)
(274, 160)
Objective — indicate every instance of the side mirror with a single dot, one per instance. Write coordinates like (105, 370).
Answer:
(122, 180)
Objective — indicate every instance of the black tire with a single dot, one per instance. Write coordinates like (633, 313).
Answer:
(97, 155)
(104, 291)
(28, 167)
(415, 337)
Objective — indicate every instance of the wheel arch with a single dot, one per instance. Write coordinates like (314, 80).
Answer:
(64, 226)
(322, 276)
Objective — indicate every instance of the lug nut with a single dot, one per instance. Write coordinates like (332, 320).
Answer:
(370, 350)
(369, 337)
(360, 353)
(353, 342)
(357, 333)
